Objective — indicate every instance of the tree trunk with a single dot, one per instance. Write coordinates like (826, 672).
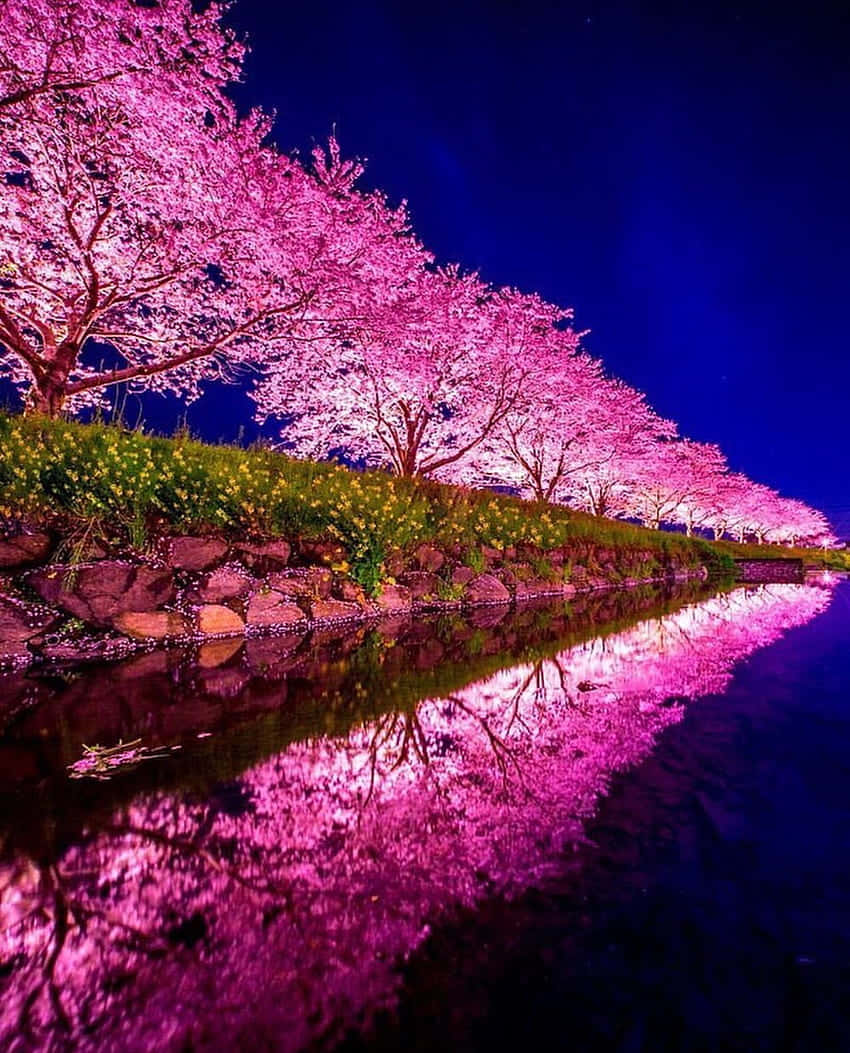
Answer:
(46, 397)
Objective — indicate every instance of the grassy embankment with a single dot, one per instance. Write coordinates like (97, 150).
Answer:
(101, 482)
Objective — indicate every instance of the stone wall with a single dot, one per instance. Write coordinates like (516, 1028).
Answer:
(766, 571)
(189, 588)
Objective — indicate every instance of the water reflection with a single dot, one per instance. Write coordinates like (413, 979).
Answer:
(259, 892)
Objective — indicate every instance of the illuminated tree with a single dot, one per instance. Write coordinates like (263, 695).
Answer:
(571, 420)
(426, 378)
(148, 235)
(51, 47)
(673, 483)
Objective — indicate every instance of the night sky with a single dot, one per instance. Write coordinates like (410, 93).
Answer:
(676, 173)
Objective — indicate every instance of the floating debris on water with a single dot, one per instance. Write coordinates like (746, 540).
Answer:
(102, 762)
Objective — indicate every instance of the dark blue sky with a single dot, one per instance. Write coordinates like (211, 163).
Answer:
(677, 174)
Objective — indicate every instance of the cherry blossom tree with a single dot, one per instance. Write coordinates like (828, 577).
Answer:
(424, 380)
(49, 47)
(142, 220)
(152, 237)
(798, 524)
(744, 509)
(574, 425)
(603, 485)
(707, 468)
(724, 505)
(674, 483)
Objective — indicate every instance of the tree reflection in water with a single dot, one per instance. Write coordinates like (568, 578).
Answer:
(271, 911)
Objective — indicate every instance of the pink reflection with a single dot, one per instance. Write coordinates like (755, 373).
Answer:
(278, 913)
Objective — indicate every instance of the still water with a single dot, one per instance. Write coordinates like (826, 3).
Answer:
(620, 824)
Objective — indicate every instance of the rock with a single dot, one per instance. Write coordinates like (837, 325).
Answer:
(273, 656)
(492, 556)
(272, 607)
(488, 618)
(223, 683)
(429, 559)
(319, 610)
(195, 553)
(98, 592)
(420, 584)
(349, 592)
(265, 557)
(24, 549)
(462, 575)
(19, 623)
(214, 619)
(394, 598)
(291, 583)
(151, 625)
(216, 652)
(226, 583)
(325, 552)
(539, 587)
(486, 588)
(394, 564)
(309, 582)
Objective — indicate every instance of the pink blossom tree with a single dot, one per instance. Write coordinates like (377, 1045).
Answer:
(627, 448)
(725, 502)
(138, 212)
(575, 425)
(424, 380)
(674, 483)
(707, 467)
(67, 46)
(798, 524)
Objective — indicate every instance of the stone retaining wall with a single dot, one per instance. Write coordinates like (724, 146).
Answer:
(190, 588)
(767, 571)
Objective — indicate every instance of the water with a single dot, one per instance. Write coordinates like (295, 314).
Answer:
(622, 823)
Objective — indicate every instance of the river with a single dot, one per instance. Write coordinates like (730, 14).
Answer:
(621, 822)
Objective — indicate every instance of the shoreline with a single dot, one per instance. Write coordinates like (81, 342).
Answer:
(42, 606)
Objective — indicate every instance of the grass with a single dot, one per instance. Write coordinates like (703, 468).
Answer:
(98, 480)
(835, 559)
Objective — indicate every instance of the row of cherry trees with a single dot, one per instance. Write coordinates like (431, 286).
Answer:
(152, 236)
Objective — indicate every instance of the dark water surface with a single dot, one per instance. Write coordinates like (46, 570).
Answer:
(621, 824)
